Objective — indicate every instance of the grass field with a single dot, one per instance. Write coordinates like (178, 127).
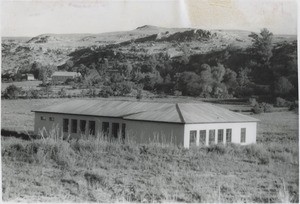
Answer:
(97, 171)
(26, 85)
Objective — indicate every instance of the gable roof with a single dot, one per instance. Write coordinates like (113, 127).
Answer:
(150, 111)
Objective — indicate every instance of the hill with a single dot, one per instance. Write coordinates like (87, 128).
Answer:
(54, 49)
(193, 61)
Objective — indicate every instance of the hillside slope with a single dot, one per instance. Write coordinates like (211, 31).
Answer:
(54, 49)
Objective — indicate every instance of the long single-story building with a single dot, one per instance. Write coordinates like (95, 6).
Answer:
(184, 124)
(62, 76)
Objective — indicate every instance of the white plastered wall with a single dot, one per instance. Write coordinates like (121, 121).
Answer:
(236, 132)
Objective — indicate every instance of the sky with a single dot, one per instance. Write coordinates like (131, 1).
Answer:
(35, 17)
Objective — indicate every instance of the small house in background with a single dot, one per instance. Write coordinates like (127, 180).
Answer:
(183, 124)
(30, 77)
(61, 76)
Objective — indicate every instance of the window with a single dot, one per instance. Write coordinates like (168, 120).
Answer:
(105, 128)
(220, 135)
(212, 134)
(228, 135)
(243, 135)
(82, 126)
(123, 131)
(92, 127)
(115, 130)
(74, 125)
(65, 125)
(193, 136)
(202, 137)
(51, 118)
(43, 118)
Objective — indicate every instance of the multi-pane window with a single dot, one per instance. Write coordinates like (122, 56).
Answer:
(220, 135)
(74, 125)
(92, 127)
(243, 135)
(43, 118)
(82, 126)
(193, 136)
(228, 135)
(202, 137)
(105, 128)
(212, 134)
(115, 130)
(51, 118)
(65, 125)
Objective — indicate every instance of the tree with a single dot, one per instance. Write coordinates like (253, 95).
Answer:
(230, 80)
(243, 77)
(283, 86)
(189, 83)
(218, 72)
(262, 45)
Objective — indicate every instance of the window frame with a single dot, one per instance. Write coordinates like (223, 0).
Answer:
(43, 117)
(92, 128)
(74, 125)
(193, 134)
(243, 135)
(105, 130)
(66, 125)
(210, 141)
(82, 128)
(115, 130)
(201, 136)
(229, 130)
(51, 118)
(220, 130)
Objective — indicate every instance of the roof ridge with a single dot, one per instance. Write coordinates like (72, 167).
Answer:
(179, 113)
(144, 111)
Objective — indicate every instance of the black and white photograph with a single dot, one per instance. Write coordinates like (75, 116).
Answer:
(149, 101)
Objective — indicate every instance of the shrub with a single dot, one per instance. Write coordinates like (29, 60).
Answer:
(257, 109)
(267, 107)
(106, 91)
(259, 152)
(139, 95)
(12, 92)
(280, 102)
(218, 149)
(262, 108)
(252, 101)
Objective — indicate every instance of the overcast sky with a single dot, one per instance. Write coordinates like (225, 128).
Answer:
(34, 17)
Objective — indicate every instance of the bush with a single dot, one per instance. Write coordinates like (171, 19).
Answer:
(259, 152)
(267, 107)
(262, 108)
(257, 109)
(139, 95)
(280, 102)
(252, 101)
(12, 92)
(218, 149)
(106, 91)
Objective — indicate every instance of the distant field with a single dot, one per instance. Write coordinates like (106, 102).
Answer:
(17, 115)
(26, 85)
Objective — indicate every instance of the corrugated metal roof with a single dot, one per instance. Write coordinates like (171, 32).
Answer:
(207, 113)
(150, 111)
